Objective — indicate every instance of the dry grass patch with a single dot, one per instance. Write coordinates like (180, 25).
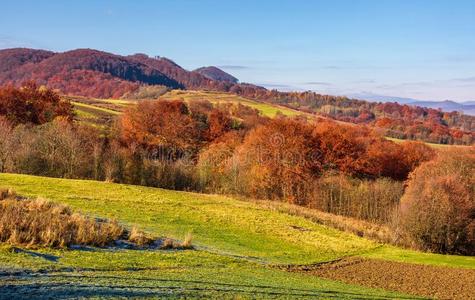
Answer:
(139, 237)
(42, 223)
(7, 194)
(172, 244)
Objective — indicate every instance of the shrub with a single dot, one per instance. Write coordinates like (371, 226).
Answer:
(437, 211)
(46, 224)
(139, 237)
(172, 244)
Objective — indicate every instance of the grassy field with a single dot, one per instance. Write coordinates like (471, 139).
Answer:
(116, 106)
(237, 242)
(100, 112)
(266, 109)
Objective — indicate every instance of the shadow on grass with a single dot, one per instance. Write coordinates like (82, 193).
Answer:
(48, 285)
(48, 257)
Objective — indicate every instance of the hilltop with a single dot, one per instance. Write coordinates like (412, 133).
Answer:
(215, 73)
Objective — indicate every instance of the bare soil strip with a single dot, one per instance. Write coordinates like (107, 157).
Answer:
(421, 280)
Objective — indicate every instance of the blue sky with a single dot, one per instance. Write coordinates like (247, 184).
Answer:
(423, 49)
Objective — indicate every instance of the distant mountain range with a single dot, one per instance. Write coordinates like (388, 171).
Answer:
(467, 107)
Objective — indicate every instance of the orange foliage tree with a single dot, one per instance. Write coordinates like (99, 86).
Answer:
(437, 211)
(279, 160)
(159, 125)
(31, 104)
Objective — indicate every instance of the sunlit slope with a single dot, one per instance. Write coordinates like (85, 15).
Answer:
(266, 109)
(219, 224)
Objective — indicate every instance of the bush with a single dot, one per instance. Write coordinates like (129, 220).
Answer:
(437, 211)
(45, 224)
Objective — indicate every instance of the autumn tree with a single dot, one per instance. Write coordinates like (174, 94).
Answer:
(160, 126)
(33, 104)
(217, 171)
(279, 160)
(6, 147)
(437, 209)
(344, 147)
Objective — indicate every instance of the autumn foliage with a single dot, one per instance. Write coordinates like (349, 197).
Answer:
(95, 73)
(31, 104)
(437, 211)
(159, 124)
(349, 170)
(280, 160)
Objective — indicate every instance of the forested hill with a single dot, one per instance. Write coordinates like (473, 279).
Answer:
(100, 74)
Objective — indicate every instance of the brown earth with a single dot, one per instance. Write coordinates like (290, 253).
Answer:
(415, 279)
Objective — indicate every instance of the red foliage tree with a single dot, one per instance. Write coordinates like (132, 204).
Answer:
(30, 104)
(159, 125)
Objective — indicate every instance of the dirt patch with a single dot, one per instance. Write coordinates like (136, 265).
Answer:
(421, 280)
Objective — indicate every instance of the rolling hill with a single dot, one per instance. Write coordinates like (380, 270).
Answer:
(97, 74)
(243, 249)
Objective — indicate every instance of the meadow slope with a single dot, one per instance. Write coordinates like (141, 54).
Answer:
(238, 244)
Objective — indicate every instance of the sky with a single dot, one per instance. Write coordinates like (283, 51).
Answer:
(422, 49)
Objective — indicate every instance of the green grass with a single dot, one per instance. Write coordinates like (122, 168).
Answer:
(121, 102)
(81, 113)
(95, 108)
(105, 273)
(266, 109)
(219, 224)
(236, 243)
(409, 256)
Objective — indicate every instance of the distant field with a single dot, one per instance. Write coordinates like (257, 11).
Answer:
(237, 241)
(116, 106)
(268, 110)
(99, 112)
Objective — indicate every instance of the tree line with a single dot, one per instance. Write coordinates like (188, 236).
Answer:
(232, 149)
